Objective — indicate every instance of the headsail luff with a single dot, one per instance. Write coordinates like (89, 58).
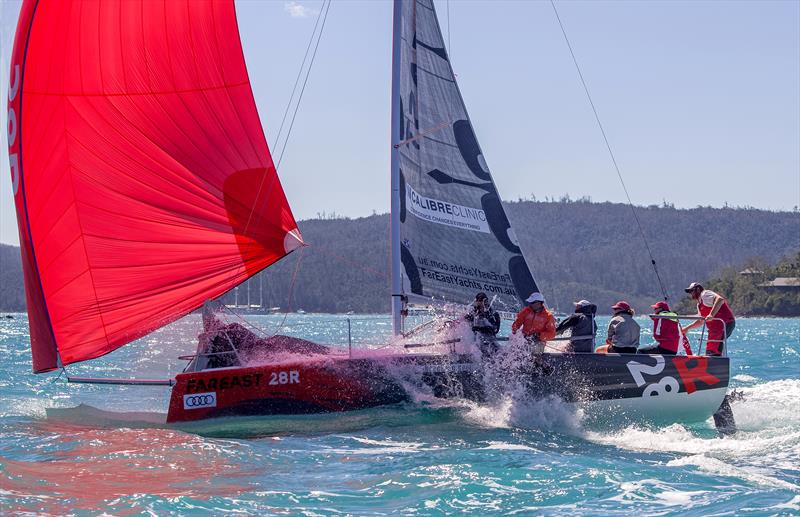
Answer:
(143, 181)
(455, 238)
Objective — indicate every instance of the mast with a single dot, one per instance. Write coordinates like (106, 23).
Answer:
(397, 323)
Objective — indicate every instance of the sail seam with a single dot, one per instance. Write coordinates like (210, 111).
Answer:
(82, 238)
(209, 105)
(127, 94)
(183, 103)
(215, 50)
(127, 155)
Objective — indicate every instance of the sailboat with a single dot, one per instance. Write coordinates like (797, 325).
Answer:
(144, 186)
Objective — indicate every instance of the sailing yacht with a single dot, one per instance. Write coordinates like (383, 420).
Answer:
(144, 186)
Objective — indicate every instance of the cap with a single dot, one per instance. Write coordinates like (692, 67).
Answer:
(622, 305)
(664, 306)
(535, 297)
(481, 296)
(693, 286)
(583, 303)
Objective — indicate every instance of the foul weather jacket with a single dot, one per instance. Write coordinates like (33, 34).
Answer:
(583, 327)
(542, 323)
(666, 331)
(623, 333)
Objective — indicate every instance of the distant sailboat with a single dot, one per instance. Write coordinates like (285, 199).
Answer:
(144, 186)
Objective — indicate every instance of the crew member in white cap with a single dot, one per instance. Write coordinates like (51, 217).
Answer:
(717, 315)
(583, 327)
(537, 323)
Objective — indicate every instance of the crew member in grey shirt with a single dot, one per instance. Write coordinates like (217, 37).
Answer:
(623, 331)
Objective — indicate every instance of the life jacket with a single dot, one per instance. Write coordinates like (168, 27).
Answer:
(666, 331)
(716, 328)
(724, 313)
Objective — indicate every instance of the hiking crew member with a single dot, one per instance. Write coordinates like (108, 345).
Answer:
(623, 331)
(537, 323)
(666, 332)
(485, 324)
(583, 327)
(710, 305)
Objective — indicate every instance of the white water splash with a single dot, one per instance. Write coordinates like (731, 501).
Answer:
(768, 441)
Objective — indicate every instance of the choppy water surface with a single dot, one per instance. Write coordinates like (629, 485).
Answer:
(113, 453)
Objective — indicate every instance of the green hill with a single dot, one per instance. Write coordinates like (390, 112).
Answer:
(576, 249)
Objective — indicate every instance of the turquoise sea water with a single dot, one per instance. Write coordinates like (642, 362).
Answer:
(106, 450)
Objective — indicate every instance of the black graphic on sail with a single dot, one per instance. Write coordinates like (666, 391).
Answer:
(455, 236)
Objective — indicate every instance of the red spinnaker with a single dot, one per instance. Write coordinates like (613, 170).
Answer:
(142, 179)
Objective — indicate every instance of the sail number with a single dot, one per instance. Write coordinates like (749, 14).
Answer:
(13, 158)
(665, 385)
(290, 377)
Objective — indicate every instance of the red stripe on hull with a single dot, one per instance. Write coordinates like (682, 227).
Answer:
(292, 388)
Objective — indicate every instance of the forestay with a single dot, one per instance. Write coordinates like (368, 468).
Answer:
(455, 238)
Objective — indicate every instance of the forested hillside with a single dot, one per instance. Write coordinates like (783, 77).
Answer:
(12, 290)
(576, 249)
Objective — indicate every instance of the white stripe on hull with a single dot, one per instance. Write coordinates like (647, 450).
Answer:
(667, 408)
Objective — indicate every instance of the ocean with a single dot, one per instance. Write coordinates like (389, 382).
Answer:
(106, 449)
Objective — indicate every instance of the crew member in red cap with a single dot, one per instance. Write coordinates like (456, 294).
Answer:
(666, 332)
(717, 314)
(623, 331)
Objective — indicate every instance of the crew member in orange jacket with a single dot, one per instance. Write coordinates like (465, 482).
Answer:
(536, 321)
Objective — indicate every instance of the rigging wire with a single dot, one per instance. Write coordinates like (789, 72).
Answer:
(286, 139)
(297, 80)
(297, 106)
(611, 153)
(305, 82)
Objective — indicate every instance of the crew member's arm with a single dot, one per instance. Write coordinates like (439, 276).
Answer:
(612, 328)
(695, 323)
(518, 322)
(566, 323)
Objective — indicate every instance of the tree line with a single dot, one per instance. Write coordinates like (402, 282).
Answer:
(576, 249)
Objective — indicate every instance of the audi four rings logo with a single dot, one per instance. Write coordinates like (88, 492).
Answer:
(198, 400)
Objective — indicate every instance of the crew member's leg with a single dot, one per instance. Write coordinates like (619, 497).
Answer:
(716, 333)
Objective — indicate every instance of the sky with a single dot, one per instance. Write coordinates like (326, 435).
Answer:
(700, 100)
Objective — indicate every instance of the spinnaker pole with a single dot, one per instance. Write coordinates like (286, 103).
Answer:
(397, 304)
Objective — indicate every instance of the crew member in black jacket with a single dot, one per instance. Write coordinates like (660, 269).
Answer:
(485, 324)
(583, 327)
